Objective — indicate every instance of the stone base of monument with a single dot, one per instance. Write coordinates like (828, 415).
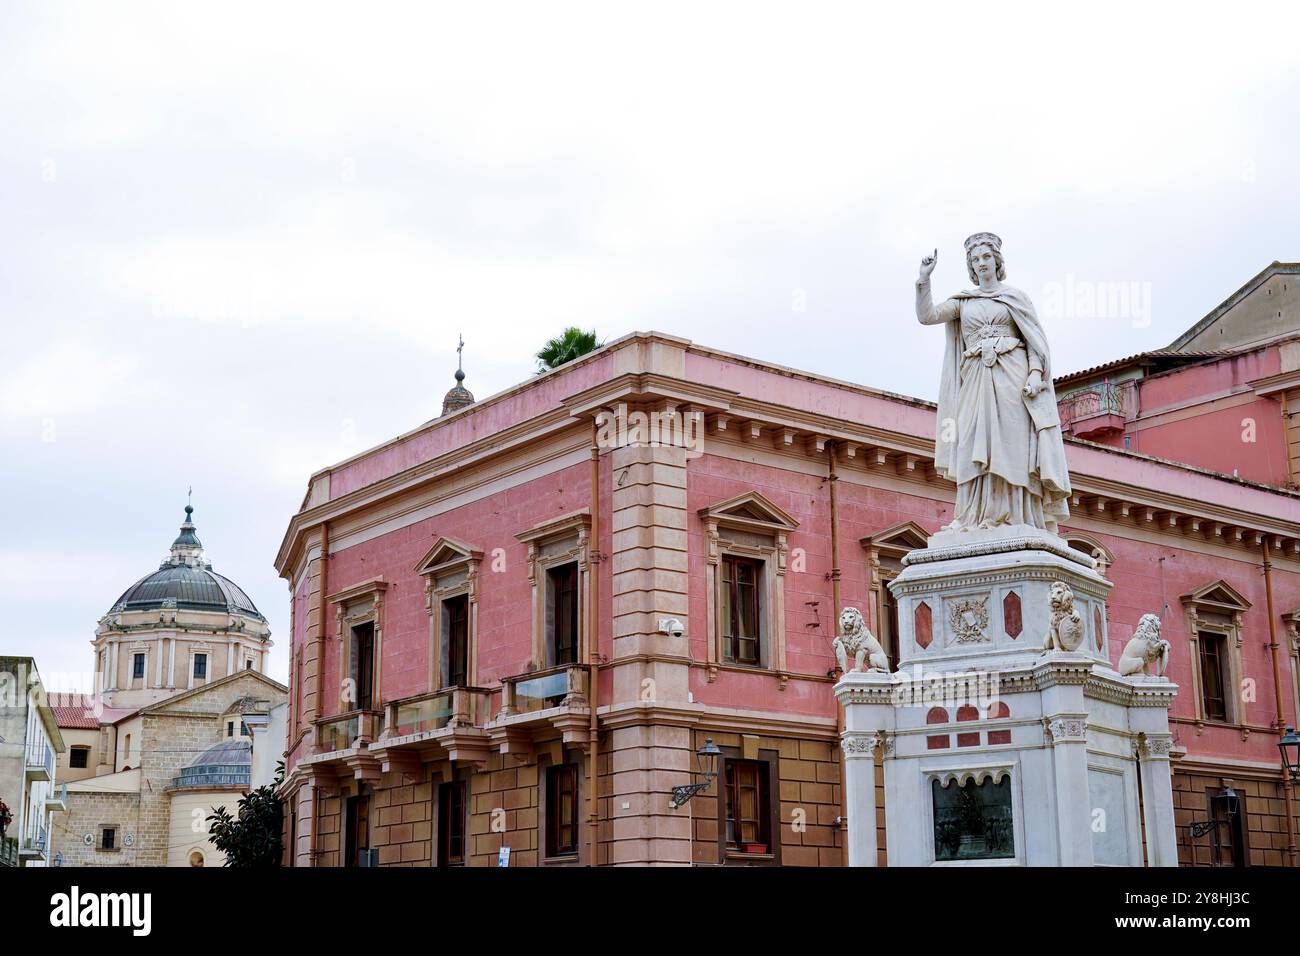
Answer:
(995, 752)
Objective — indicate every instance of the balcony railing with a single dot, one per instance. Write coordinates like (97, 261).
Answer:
(57, 799)
(542, 690)
(343, 731)
(40, 763)
(35, 842)
(1093, 401)
(469, 706)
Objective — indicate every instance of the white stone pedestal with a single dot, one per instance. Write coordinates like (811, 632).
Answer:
(1045, 750)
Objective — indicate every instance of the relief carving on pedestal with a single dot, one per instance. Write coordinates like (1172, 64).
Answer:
(968, 620)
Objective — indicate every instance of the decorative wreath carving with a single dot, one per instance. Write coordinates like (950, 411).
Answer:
(969, 620)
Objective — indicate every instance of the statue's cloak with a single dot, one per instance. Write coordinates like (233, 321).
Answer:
(1050, 464)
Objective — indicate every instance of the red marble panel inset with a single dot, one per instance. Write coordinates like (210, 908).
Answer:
(937, 715)
(1098, 625)
(968, 740)
(998, 709)
(924, 627)
(968, 712)
(1012, 622)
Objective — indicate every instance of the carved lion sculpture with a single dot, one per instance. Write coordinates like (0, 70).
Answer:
(855, 639)
(1145, 647)
(1065, 632)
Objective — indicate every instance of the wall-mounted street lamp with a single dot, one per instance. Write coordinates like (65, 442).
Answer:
(1230, 803)
(706, 759)
(1289, 745)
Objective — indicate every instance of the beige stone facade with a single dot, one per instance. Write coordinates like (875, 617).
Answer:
(151, 818)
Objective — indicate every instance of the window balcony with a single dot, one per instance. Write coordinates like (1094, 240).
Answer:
(449, 722)
(34, 843)
(1094, 412)
(40, 763)
(553, 699)
(348, 731)
(8, 852)
(342, 746)
(457, 706)
(57, 800)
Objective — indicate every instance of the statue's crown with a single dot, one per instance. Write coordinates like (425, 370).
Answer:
(984, 238)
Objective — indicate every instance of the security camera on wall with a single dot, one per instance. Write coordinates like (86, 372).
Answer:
(671, 626)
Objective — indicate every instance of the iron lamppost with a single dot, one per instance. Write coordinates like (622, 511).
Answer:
(1289, 745)
(706, 759)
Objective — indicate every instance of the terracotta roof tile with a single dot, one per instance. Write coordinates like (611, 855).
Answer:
(74, 711)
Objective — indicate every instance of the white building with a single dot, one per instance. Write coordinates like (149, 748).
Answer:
(29, 742)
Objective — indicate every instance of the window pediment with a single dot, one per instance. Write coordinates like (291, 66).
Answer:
(1217, 596)
(751, 511)
(897, 540)
(445, 554)
(575, 525)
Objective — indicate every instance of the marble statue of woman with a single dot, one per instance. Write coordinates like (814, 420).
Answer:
(998, 429)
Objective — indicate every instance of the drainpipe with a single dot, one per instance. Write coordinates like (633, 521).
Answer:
(593, 657)
(313, 850)
(833, 479)
(1280, 722)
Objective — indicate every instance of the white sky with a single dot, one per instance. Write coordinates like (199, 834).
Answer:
(239, 241)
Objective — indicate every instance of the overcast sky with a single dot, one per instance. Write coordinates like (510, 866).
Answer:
(239, 240)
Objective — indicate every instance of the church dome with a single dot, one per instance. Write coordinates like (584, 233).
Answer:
(458, 396)
(227, 764)
(185, 580)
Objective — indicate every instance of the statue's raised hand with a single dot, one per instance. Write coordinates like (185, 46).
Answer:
(927, 264)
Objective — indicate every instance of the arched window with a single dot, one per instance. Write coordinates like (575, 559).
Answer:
(1100, 554)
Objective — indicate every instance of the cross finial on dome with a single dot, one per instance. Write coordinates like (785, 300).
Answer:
(459, 396)
(187, 547)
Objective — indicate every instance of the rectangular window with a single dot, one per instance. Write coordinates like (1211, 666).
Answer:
(740, 611)
(357, 834)
(890, 638)
(108, 838)
(973, 822)
(79, 758)
(455, 617)
(562, 810)
(363, 664)
(201, 665)
(1229, 838)
(748, 807)
(230, 728)
(1212, 675)
(137, 666)
(562, 583)
(451, 823)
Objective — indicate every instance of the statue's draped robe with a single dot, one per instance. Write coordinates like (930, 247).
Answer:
(1003, 449)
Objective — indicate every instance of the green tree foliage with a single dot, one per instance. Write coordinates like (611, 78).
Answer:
(251, 837)
(566, 347)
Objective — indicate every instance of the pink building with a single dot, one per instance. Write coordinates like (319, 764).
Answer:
(568, 587)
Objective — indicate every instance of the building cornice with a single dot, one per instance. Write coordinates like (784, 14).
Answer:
(804, 433)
